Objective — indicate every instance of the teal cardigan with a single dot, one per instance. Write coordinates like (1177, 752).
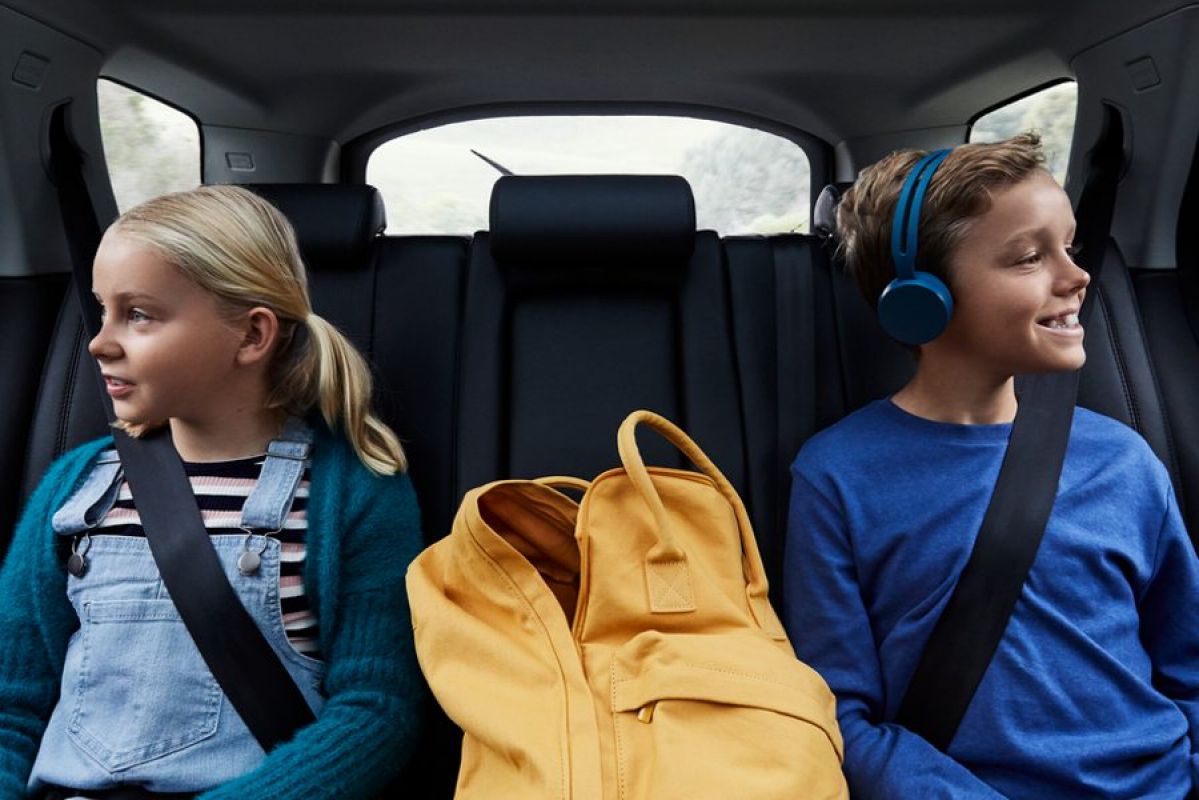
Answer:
(364, 530)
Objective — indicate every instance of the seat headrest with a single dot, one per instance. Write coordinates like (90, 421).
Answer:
(335, 223)
(619, 219)
(824, 215)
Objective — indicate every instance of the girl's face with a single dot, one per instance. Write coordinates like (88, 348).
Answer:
(164, 348)
(1016, 288)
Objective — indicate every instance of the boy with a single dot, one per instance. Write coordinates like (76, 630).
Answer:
(1094, 688)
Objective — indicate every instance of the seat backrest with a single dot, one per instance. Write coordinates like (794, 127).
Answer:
(1175, 349)
(416, 331)
(781, 300)
(399, 300)
(592, 296)
(337, 227)
(1119, 378)
(28, 307)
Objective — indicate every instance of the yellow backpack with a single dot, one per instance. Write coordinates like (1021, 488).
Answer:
(623, 647)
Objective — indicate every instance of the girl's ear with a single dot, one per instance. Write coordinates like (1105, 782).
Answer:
(260, 328)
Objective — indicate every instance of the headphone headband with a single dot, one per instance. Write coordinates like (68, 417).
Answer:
(906, 226)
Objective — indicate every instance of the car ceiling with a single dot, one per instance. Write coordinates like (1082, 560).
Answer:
(836, 69)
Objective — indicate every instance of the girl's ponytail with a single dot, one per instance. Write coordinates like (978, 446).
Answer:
(341, 382)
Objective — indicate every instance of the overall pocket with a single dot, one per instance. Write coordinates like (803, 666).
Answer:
(142, 691)
(711, 717)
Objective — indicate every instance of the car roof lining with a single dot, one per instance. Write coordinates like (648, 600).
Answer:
(341, 72)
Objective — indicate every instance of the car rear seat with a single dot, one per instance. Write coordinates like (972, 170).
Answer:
(29, 307)
(1169, 301)
(781, 300)
(590, 297)
(517, 353)
(1175, 347)
(398, 300)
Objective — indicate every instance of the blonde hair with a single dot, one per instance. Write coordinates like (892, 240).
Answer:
(238, 246)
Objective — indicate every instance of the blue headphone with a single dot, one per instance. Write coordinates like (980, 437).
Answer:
(915, 307)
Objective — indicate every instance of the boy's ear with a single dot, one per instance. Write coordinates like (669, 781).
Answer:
(260, 331)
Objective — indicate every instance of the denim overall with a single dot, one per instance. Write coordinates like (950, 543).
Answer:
(137, 703)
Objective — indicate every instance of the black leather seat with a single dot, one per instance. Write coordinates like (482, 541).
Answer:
(29, 307)
(518, 352)
(590, 297)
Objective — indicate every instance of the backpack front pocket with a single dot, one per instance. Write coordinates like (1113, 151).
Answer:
(702, 716)
(142, 690)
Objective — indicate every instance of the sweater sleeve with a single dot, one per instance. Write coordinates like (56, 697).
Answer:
(368, 725)
(828, 624)
(1167, 627)
(30, 670)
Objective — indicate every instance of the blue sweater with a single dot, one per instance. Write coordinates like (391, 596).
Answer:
(363, 532)
(1094, 689)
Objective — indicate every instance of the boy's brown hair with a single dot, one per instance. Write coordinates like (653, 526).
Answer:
(960, 191)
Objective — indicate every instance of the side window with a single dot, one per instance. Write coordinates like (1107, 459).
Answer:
(151, 148)
(1050, 112)
(745, 180)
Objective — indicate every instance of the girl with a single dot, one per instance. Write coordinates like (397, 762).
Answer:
(207, 328)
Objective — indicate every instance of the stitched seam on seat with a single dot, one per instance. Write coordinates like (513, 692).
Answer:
(64, 408)
(1174, 468)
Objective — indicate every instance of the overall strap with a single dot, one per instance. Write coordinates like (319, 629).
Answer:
(93, 499)
(271, 498)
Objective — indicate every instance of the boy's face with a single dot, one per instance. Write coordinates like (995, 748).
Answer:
(1016, 288)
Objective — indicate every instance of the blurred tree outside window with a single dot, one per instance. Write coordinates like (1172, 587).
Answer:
(745, 180)
(1050, 112)
(150, 147)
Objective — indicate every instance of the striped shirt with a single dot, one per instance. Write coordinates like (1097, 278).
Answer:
(221, 489)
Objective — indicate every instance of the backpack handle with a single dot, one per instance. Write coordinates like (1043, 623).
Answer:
(668, 551)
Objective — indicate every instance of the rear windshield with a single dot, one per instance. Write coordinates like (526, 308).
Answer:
(745, 180)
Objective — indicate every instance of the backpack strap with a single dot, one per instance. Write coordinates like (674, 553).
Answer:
(271, 498)
(968, 631)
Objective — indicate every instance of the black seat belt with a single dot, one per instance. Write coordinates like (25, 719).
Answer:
(795, 335)
(248, 670)
(968, 631)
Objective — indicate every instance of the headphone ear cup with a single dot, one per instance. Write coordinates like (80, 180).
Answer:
(916, 310)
